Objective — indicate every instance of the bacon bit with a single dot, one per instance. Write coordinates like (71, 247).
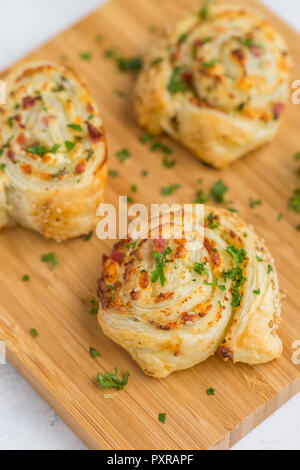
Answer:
(186, 317)
(26, 168)
(102, 294)
(278, 109)
(232, 234)
(176, 55)
(117, 256)
(160, 326)
(127, 274)
(176, 354)
(94, 134)
(18, 118)
(181, 252)
(226, 352)
(135, 295)
(256, 51)
(144, 280)
(90, 108)
(110, 270)
(21, 139)
(29, 101)
(164, 296)
(160, 244)
(215, 257)
(187, 77)
(239, 54)
(48, 119)
(80, 168)
(117, 285)
(11, 155)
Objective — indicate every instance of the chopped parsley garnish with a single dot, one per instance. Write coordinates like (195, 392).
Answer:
(209, 64)
(10, 122)
(199, 268)
(75, 127)
(256, 292)
(112, 380)
(91, 116)
(162, 417)
(111, 53)
(218, 191)
(51, 258)
(2, 167)
(145, 173)
(99, 38)
(248, 42)
(145, 138)
(70, 145)
(134, 188)
(176, 83)
(233, 209)
(161, 147)
(41, 151)
(182, 38)
(270, 269)
(169, 190)
(113, 173)
(254, 202)
(259, 259)
(168, 162)
(202, 197)
(280, 216)
(94, 353)
(87, 55)
(88, 237)
(26, 278)
(123, 155)
(236, 274)
(294, 203)
(94, 306)
(132, 64)
(161, 260)
(210, 391)
(156, 61)
(120, 93)
(34, 332)
(297, 156)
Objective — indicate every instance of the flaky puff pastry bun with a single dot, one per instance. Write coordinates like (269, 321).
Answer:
(217, 82)
(222, 296)
(53, 155)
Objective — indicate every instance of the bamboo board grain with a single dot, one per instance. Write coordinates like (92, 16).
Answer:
(56, 302)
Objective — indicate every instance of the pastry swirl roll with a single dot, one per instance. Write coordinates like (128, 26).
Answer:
(52, 152)
(217, 82)
(172, 307)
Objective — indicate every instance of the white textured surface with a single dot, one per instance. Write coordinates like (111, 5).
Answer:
(26, 421)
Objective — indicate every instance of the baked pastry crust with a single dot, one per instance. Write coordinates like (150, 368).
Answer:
(223, 296)
(217, 83)
(53, 152)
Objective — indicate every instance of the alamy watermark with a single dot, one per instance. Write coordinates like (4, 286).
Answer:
(296, 353)
(2, 93)
(2, 353)
(162, 220)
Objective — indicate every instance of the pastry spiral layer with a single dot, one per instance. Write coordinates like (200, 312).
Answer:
(217, 82)
(53, 156)
(171, 307)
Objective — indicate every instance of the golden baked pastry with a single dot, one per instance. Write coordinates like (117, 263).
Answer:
(217, 82)
(171, 307)
(53, 156)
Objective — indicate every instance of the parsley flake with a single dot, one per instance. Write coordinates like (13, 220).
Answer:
(112, 380)
(51, 258)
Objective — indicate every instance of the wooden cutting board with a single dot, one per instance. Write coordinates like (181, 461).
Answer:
(56, 302)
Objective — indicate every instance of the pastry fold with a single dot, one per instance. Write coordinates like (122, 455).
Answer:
(217, 82)
(53, 153)
(172, 307)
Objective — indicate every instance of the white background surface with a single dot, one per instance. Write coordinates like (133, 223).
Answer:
(26, 421)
